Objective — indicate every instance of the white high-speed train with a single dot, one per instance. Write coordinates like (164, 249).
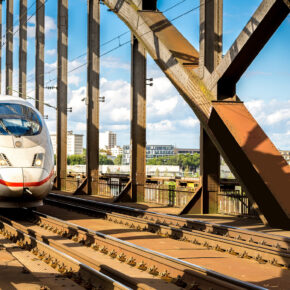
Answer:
(26, 155)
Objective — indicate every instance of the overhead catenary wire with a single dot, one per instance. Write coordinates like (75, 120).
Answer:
(118, 37)
(127, 42)
(33, 14)
(123, 44)
(18, 20)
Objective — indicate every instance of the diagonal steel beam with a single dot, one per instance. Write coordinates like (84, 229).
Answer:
(247, 149)
(262, 25)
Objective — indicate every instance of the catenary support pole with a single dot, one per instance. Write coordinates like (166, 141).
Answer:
(93, 86)
(39, 58)
(22, 48)
(9, 46)
(211, 17)
(62, 52)
(1, 46)
(138, 120)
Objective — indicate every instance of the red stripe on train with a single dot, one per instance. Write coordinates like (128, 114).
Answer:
(26, 184)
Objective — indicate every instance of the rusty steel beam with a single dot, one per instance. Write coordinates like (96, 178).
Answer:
(211, 29)
(93, 93)
(210, 38)
(138, 120)
(39, 58)
(151, 28)
(62, 50)
(22, 48)
(262, 25)
(9, 47)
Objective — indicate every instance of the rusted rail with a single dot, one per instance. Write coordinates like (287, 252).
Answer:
(65, 264)
(264, 248)
(180, 273)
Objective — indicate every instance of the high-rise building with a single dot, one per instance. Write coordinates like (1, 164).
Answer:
(74, 143)
(108, 140)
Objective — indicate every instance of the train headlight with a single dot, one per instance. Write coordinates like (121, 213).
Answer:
(3, 160)
(38, 160)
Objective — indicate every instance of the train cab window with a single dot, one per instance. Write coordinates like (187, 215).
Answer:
(18, 120)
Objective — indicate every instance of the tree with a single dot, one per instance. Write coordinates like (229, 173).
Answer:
(118, 160)
(104, 160)
(76, 159)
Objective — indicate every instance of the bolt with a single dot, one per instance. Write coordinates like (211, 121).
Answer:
(142, 266)
(122, 257)
(153, 270)
(131, 261)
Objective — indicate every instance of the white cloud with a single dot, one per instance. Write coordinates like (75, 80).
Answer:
(51, 52)
(74, 80)
(189, 122)
(162, 88)
(282, 140)
(112, 62)
(50, 26)
(164, 125)
(119, 127)
(80, 126)
(163, 107)
(278, 116)
(120, 114)
(255, 106)
(78, 106)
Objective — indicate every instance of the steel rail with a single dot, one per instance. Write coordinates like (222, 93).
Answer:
(97, 266)
(245, 243)
(180, 272)
(65, 264)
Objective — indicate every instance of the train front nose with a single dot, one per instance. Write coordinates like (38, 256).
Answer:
(11, 182)
(21, 182)
(37, 181)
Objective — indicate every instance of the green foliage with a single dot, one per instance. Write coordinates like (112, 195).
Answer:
(185, 161)
(104, 160)
(76, 159)
(81, 159)
(118, 160)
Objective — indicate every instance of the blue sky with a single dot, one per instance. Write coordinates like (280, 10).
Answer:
(265, 87)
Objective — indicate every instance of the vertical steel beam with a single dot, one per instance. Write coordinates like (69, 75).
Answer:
(39, 57)
(1, 46)
(62, 52)
(93, 85)
(9, 47)
(138, 120)
(211, 17)
(22, 48)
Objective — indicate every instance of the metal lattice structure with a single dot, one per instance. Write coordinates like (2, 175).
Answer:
(206, 81)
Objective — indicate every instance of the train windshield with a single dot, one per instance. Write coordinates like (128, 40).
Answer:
(18, 120)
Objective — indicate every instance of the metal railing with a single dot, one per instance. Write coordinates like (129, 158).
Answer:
(235, 202)
(112, 188)
(168, 195)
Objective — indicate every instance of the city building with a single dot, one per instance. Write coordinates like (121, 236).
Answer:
(74, 143)
(108, 140)
(185, 151)
(286, 155)
(116, 150)
(152, 151)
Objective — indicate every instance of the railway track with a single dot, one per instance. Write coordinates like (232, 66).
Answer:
(264, 248)
(68, 266)
(73, 249)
